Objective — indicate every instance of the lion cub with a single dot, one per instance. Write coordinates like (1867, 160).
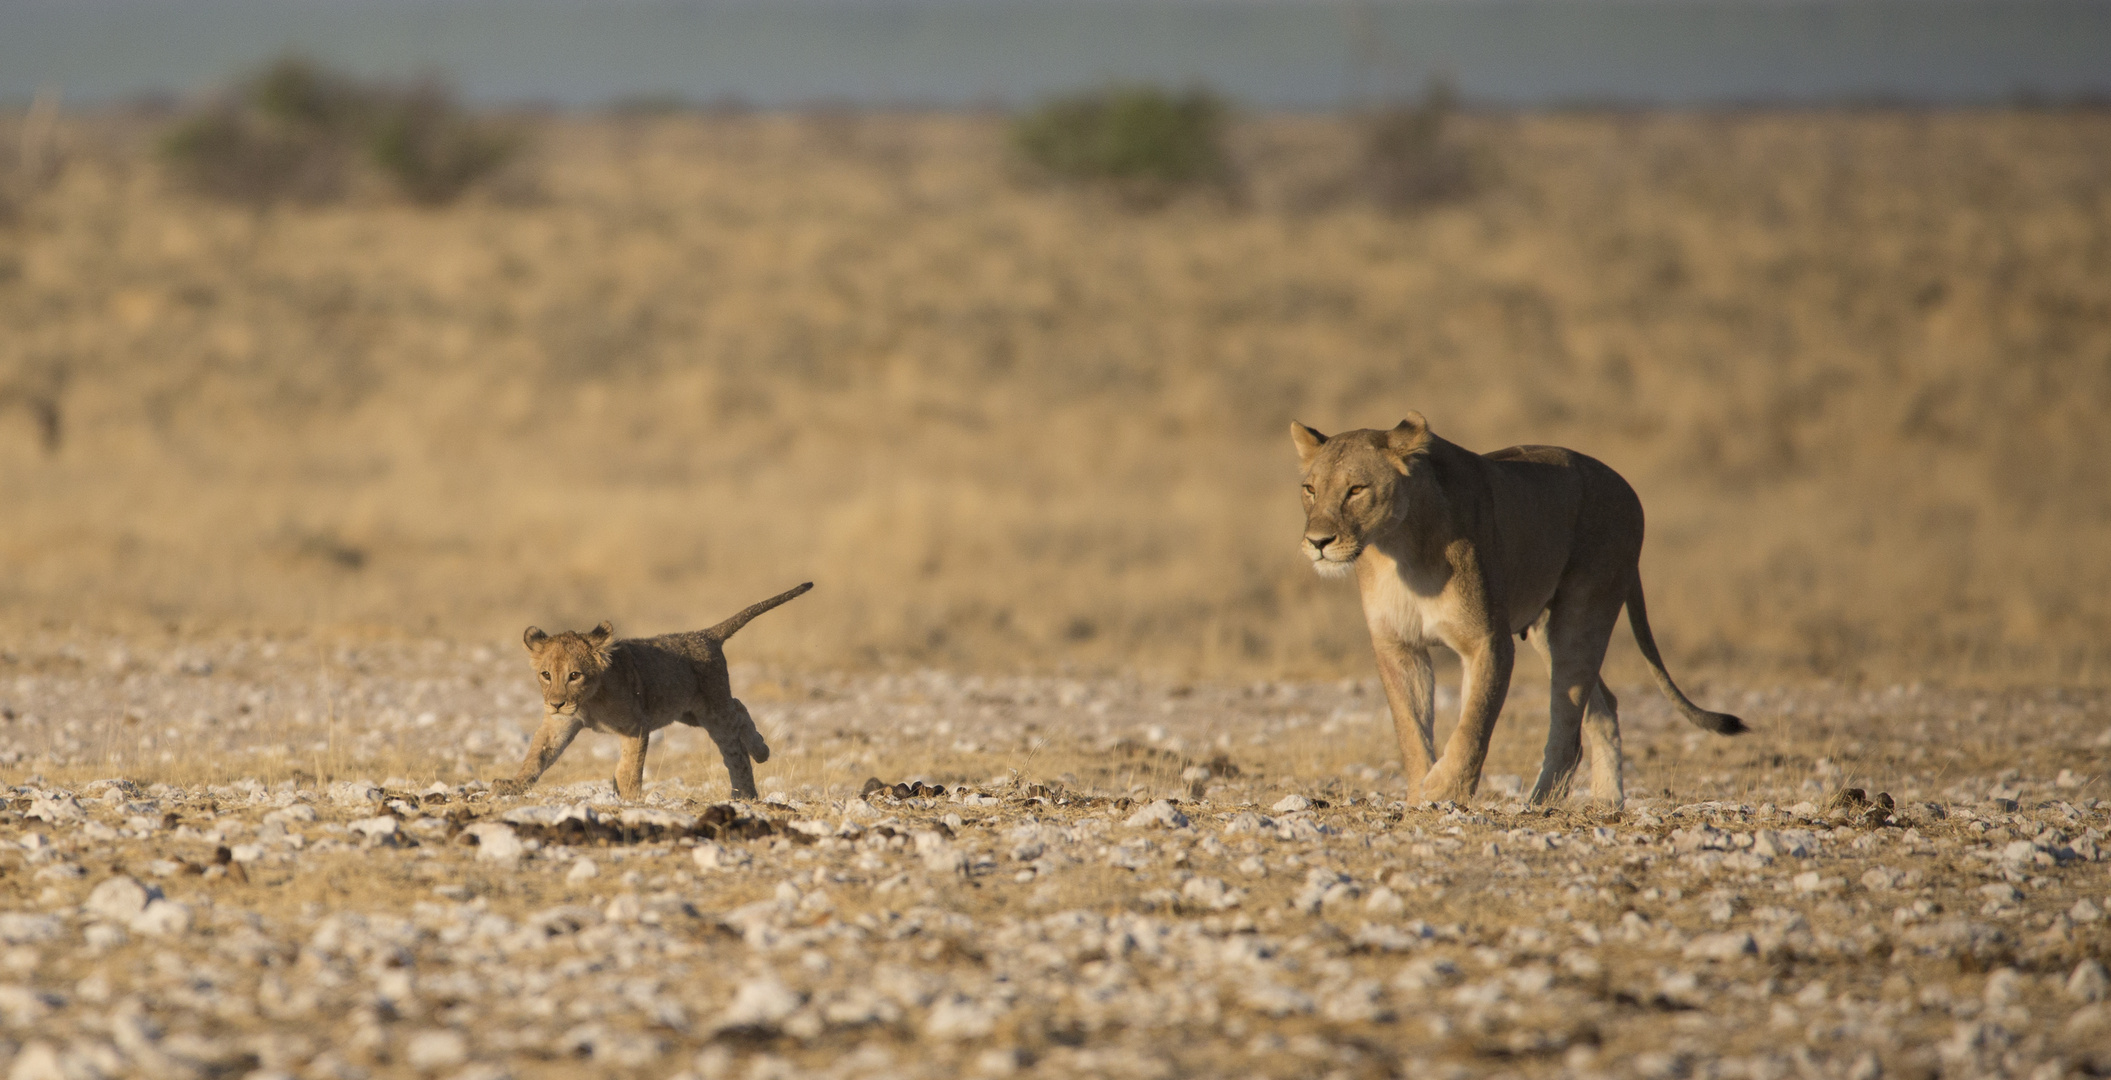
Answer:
(634, 687)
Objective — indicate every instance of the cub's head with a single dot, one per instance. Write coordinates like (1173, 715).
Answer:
(569, 665)
(1357, 484)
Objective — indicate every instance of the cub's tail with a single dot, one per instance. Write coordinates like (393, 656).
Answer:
(1638, 621)
(732, 626)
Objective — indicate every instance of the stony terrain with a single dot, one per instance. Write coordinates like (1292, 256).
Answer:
(276, 858)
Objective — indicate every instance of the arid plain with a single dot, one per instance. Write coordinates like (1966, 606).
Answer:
(283, 485)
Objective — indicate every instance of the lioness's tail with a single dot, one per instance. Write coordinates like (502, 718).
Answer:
(1638, 621)
(732, 626)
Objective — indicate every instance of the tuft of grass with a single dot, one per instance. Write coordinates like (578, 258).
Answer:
(1144, 140)
(297, 132)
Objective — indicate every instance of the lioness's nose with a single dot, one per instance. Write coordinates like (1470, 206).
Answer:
(1319, 543)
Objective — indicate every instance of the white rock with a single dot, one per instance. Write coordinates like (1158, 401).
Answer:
(56, 809)
(2089, 982)
(496, 843)
(354, 793)
(712, 855)
(377, 830)
(120, 899)
(2085, 911)
(162, 918)
(642, 816)
(2001, 892)
(583, 869)
(1161, 813)
(1291, 804)
(1726, 946)
(1275, 999)
(959, 1017)
(550, 815)
(1384, 903)
(22, 928)
(760, 1002)
(1212, 893)
(430, 1051)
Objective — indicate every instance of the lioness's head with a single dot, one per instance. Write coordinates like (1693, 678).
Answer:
(1357, 484)
(570, 664)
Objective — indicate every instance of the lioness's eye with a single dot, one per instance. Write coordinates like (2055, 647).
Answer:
(1308, 489)
(1357, 489)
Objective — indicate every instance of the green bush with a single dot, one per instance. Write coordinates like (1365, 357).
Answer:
(296, 132)
(431, 150)
(284, 136)
(1141, 138)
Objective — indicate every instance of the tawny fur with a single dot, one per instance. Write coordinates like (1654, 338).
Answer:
(1466, 550)
(634, 687)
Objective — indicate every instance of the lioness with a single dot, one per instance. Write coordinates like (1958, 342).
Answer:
(637, 686)
(1463, 549)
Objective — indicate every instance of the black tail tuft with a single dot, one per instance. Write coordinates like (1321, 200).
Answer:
(1721, 723)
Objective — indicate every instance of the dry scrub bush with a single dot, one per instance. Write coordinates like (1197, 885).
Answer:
(1854, 362)
(295, 131)
(1412, 158)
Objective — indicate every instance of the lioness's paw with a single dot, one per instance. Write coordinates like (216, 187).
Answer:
(508, 786)
(1443, 785)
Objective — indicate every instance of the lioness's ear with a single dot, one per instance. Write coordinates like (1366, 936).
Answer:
(533, 637)
(599, 635)
(1405, 440)
(1412, 434)
(1306, 440)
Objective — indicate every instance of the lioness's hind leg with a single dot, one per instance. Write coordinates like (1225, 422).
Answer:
(1573, 638)
(1601, 739)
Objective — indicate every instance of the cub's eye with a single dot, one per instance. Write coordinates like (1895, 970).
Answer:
(546, 676)
(574, 677)
(1357, 489)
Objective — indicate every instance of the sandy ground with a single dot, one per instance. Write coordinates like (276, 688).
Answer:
(279, 858)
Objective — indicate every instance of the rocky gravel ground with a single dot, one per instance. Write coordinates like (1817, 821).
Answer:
(281, 859)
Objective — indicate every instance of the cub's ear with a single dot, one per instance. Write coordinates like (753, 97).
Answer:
(533, 638)
(599, 635)
(1307, 441)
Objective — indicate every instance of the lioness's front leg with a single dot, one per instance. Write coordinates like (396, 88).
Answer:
(1410, 681)
(1457, 774)
(556, 733)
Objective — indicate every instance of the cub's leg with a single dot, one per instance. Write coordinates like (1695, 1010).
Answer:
(1576, 631)
(1601, 741)
(630, 769)
(556, 733)
(1410, 682)
(725, 731)
(750, 735)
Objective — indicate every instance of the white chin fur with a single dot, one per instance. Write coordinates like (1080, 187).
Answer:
(1334, 568)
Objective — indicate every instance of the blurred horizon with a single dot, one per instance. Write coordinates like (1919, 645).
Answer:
(1269, 54)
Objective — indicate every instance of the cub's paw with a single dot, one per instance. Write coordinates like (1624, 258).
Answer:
(509, 786)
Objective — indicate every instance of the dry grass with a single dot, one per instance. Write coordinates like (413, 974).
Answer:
(1856, 363)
